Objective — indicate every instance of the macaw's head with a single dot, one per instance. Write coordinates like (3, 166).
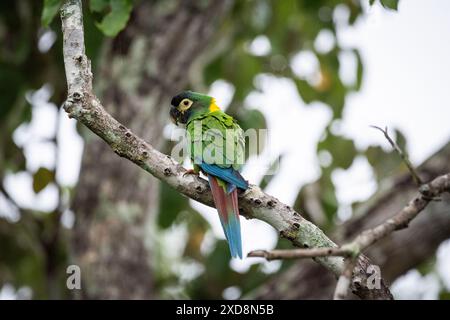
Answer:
(189, 103)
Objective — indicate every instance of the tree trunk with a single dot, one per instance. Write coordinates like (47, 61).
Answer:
(395, 254)
(116, 201)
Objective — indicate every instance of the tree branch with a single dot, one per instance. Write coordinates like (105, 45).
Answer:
(84, 106)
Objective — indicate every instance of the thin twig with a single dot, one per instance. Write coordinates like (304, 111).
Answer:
(300, 253)
(402, 154)
(7, 195)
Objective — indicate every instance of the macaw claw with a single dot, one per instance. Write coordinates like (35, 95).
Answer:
(191, 171)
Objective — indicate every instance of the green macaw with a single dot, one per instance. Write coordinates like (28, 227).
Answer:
(217, 148)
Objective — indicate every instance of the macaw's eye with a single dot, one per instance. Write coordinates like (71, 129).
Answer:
(185, 104)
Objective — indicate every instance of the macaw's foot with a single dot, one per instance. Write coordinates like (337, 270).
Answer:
(191, 171)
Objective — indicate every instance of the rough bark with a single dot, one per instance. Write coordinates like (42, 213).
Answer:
(396, 254)
(139, 71)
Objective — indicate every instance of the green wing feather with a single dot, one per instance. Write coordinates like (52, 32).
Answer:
(215, 126)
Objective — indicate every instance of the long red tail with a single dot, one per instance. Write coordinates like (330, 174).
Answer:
(227, 206)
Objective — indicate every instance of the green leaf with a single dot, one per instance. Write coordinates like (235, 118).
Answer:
(11, 81)
(42, 178)
(400, 139)
(197, 227)
(359, 70)
(213, 70)
(427, 266)
(328, 198)
(386, 163)
(251, 119)
(383, 163)
(114, 22)
(49, 11)
(390, 4)
(98, 5)
(341, 149)
(444, 295)
(308, 93)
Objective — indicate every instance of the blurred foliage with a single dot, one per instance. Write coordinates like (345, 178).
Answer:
(384, 163)
(114, 15)
(342, 150)
(32, 248)
(49, 11)
(389, 4)
(444, 295)
(42, 178)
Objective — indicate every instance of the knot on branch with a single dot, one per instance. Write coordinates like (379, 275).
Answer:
(271, 203)
(68, 107)
(76, 96)
(257, 202)
(425, 190)
(428, 193)
(167, 172)
(199, 189)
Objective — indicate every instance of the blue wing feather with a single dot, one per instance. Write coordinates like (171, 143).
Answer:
(229, 175)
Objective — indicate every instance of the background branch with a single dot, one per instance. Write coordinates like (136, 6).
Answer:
(7, 195)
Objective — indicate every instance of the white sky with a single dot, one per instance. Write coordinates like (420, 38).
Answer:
(406, 86)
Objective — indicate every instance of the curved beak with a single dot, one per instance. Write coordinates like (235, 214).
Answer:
(174, 114)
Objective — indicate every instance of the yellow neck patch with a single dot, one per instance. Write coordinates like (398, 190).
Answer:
(213, 106)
